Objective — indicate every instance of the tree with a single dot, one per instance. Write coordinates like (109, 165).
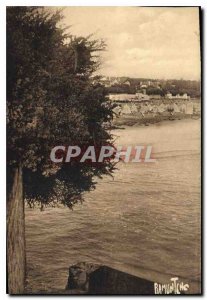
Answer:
(52, 99)
(154, 91)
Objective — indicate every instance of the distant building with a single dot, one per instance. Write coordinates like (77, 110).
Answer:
(115, 82)
(127, 82)
(104, 78)
(178, 96)
(129, 97)
(169, 95)
(122, 97)
(185, 96)
(106, 81)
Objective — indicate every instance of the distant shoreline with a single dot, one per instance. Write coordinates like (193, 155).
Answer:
(133, 120)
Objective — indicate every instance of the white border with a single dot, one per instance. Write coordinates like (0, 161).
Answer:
(107, 3)
(201, 3)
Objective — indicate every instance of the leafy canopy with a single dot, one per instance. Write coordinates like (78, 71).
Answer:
(53, 98)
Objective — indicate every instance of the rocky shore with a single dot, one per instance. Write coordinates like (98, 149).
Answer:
(94, 279)
(129, 114)
(133, 120)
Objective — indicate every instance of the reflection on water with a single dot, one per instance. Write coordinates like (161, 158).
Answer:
(145, 221)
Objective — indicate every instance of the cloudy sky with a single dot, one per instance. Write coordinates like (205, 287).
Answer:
(142, 42)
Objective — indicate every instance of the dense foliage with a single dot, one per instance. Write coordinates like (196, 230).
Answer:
(158, 87)
(52, 99)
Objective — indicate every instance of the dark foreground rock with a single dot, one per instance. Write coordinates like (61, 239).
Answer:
(79, 275)
(100, 280)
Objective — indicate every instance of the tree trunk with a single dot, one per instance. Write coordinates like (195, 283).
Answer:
(15, 235)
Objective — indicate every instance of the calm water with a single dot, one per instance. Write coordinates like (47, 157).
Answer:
(145, 221)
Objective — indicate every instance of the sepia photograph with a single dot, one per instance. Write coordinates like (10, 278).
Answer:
(103, 142)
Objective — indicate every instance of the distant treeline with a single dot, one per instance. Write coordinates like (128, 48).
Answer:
(156, 87)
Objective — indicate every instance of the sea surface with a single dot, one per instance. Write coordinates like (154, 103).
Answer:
(144, 221)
